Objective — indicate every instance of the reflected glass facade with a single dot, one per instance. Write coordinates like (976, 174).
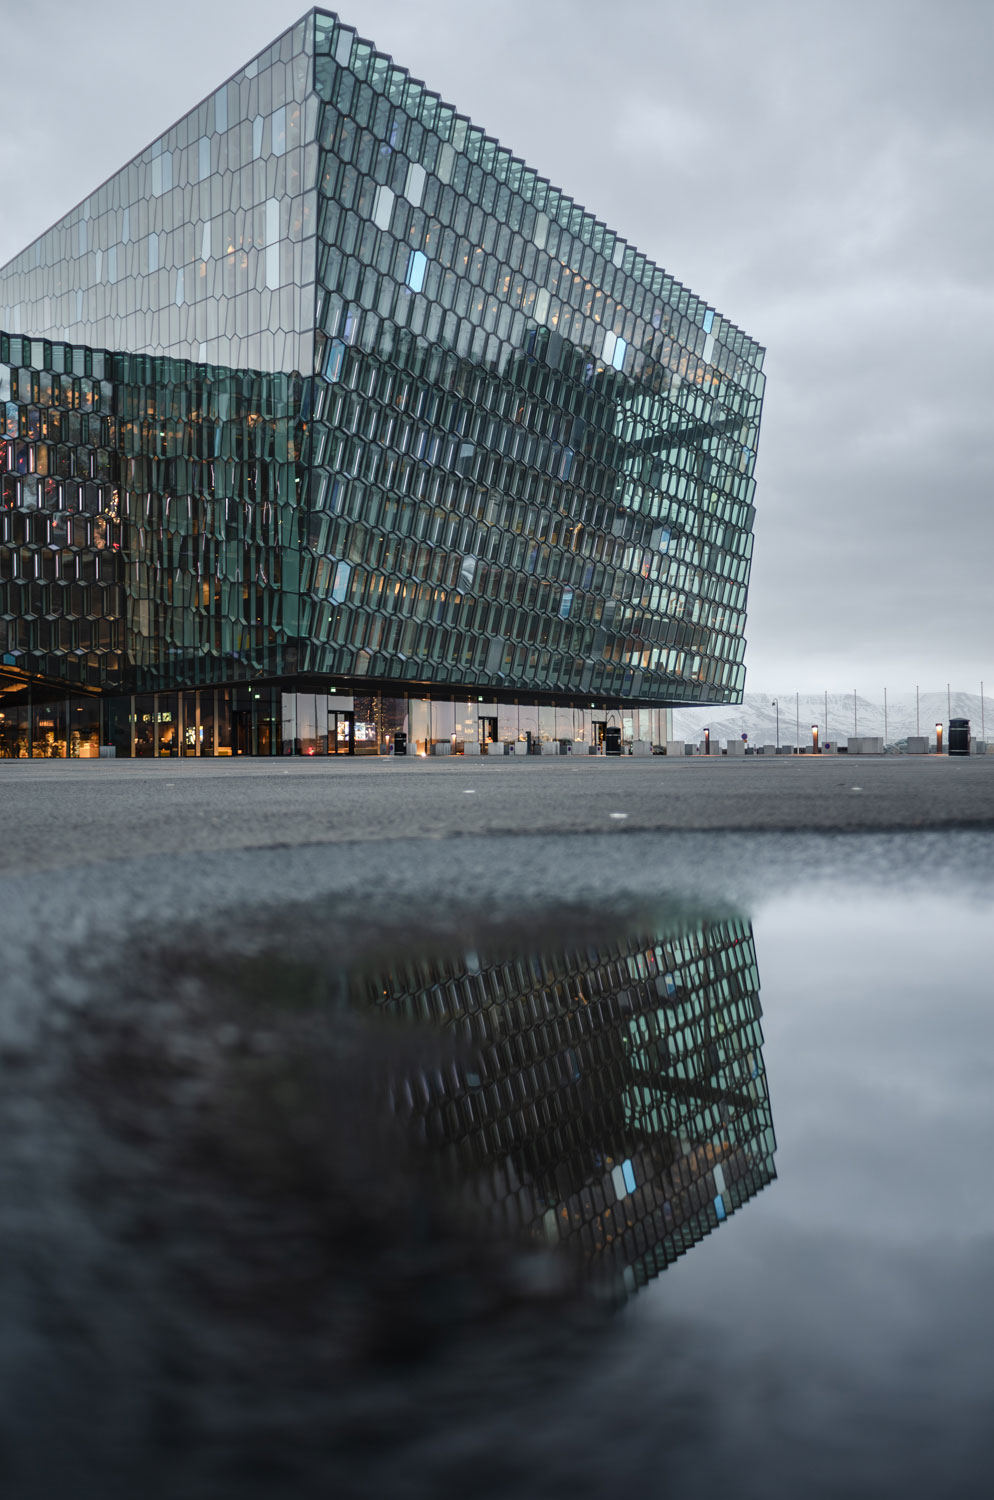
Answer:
(609, 1099)
(328, 396)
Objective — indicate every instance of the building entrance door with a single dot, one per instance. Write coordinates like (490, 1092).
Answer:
(488, 734)
(597, 729)
(241, 731)
(341, 733)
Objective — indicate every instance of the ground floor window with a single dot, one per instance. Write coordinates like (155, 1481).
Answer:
(295, 717)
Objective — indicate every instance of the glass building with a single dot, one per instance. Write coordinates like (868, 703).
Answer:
(327, 418)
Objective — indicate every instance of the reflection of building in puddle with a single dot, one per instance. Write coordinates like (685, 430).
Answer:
(608, 1097)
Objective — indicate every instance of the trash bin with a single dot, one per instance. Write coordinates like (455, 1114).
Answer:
(400, 743)
(612, 740)
(959, 737)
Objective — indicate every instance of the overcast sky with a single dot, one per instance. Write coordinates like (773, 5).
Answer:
(823, 173)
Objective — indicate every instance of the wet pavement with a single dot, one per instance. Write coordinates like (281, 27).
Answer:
(412, 1129)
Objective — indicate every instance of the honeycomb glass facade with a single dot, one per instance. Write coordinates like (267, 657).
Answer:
(609, 1098)
(328, 417)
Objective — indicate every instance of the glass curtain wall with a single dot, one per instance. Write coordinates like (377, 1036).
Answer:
(264, 720)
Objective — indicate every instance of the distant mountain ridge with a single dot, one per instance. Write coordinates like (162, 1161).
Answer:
(757, 717)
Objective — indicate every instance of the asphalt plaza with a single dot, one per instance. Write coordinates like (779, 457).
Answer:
(64, 813)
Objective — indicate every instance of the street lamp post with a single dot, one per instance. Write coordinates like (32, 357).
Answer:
(776, 705)
(938, 739)
(814, 739)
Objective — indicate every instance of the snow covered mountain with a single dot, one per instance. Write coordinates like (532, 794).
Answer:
(757, 717)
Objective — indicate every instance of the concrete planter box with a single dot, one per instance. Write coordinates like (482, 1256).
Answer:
(917, 744)
(441, 747)
(735, 747)
(471, 747)
(866, 744)
(641, 747)
(675, 747)
(550, 747)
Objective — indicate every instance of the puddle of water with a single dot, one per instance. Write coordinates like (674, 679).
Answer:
(311, 1225)
(842, 1334)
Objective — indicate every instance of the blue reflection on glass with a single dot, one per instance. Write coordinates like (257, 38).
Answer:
(333, 359)
(618, 357)
(341, 585)
(417, 267)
